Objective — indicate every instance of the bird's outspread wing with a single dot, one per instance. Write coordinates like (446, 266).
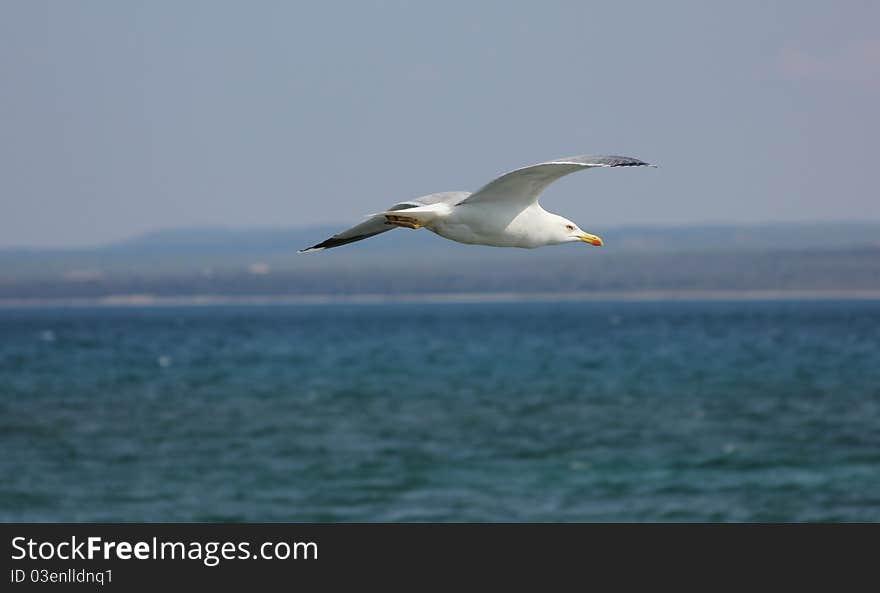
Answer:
(372, 226)
(377, 224)
(522, 187)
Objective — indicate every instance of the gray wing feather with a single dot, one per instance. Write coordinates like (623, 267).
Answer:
(524, 186)
(450, 197)
(376, 225)
(371, 227)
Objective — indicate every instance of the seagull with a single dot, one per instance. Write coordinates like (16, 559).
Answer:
(503, 213)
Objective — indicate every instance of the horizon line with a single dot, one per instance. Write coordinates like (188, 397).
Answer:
(278, 228)
(211, 300)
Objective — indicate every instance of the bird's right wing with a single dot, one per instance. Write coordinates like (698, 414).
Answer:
(522, 187)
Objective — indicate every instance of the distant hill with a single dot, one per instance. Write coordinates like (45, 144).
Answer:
(838, 256)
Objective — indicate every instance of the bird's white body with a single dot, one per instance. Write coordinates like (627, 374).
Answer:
(503, 213)
(491, 224)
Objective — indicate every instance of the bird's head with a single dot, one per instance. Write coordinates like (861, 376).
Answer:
(568, 232)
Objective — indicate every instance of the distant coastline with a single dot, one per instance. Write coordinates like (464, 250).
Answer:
(261, 267)
(145, 300)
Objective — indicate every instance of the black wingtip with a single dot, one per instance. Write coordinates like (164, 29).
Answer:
(625, 161)
(333, 242)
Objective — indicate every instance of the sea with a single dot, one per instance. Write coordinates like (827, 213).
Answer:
(538, 411)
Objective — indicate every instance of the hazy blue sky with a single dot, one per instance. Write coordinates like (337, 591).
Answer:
(119, 117)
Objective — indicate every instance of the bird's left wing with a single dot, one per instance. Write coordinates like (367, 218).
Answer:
(377, 224)
(524, 186)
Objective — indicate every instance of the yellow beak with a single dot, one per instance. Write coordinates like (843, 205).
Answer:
(591, 239)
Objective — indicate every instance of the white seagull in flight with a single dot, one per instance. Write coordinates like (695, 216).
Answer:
(503, 213)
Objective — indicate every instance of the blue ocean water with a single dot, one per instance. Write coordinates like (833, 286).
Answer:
(573, 411)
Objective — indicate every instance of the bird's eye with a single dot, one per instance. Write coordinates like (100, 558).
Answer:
(570, 227)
